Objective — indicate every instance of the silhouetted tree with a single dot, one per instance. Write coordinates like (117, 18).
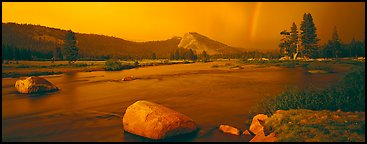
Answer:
(58, 54)
(204, 56)
(70, 50)
(154, 56)
(284, 44)
(309, 36)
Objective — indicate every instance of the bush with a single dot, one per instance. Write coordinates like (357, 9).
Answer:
(80, 65)
(347, 95)
(136, 64)
(289, 64)
(113, 65)
(215, 66)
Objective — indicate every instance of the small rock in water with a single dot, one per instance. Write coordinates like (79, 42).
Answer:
(229, 129)
(34, 84)
(129, 78)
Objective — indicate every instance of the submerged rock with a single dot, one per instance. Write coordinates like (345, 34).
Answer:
(229, 129)
(34, 84)
(317, 71)
(155, 121)
(129, 78)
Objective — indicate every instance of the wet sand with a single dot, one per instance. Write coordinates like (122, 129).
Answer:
(90, 105)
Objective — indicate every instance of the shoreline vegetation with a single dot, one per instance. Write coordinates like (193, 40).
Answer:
(16, 69)
(335, 113)
(13, 69)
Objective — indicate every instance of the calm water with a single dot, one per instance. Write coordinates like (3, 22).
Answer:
(89, 105)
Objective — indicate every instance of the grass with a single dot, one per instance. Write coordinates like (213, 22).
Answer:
(317, 126)
(310, 115)
(347, 95)
(37, 68)
(115, 65)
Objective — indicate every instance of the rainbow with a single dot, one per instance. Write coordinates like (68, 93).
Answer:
(255, 16)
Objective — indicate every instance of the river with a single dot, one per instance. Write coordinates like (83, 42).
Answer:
(89, 105)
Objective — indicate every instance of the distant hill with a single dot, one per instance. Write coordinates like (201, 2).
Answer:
(45, 39)
(199, 43)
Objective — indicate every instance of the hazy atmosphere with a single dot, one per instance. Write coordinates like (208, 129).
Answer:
(239, 24)
(183, 72)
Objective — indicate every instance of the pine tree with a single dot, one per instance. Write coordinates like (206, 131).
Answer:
(336, 43)
(285, 43)
(293, 41)
(154, 56)
(70, 50)
(205, 56)
(309, 36)
(58, 54)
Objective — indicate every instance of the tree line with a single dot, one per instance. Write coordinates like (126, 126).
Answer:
(304, 44)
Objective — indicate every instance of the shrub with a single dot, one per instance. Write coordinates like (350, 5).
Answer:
(289, 64)
(136, 64)
(80, 65)
(113, 65)
(215, 66)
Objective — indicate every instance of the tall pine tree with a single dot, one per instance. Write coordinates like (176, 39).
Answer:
(70, 50)
(294, 41)
(309, 36)
(336, 43)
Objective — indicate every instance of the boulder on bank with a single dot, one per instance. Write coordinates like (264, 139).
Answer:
(155, 121)
(229, 129)
(256, 127)
(34, 84)
(129, 78)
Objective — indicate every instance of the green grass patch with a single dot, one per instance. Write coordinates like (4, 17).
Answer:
(347, 95)
(115, 65)
(317, 126)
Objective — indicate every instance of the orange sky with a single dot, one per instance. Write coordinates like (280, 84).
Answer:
(242, 24)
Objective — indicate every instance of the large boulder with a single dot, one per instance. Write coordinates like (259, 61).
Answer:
(34, 84)
(155, 121)
(229, 129)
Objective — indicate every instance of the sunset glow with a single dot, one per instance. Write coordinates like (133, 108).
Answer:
(242, 24)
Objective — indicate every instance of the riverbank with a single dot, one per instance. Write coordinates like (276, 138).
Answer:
(333, 114)
(39, 68)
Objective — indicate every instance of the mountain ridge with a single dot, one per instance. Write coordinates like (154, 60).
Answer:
(46, 39)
